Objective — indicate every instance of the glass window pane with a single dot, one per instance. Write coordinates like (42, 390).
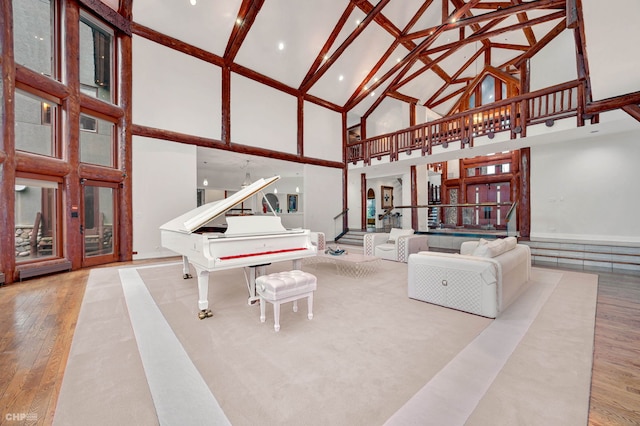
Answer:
(35, 124)
(96, 141)
(96, 54)
(36, 219)
(98, 220)
(488, 90)
(32, 34)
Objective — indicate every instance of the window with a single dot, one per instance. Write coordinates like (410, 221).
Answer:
(96, 141)
(36, 124)
(36, 212)
(96, 59)
(33, 34)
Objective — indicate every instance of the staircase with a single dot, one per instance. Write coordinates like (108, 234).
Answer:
(585, 256)
(354, 237)
(434, 217)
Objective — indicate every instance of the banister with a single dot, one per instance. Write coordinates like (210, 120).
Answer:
(342, 213)
(513, 114)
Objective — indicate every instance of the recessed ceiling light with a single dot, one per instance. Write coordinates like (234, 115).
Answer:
(340, 77)
(193, 2)
(373, 93)
(281, 46)
(357, 22)
(239, 21)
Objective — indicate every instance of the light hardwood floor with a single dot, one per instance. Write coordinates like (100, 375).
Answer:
(38, 318)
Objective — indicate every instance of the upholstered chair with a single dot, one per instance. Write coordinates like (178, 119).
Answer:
(395, 245)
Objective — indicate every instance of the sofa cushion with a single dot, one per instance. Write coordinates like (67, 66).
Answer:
(395, 233)
(495, 247)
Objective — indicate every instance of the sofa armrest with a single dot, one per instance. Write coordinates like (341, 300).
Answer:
(477, 279)
(372, 239)
(318, 240)
(409, 244)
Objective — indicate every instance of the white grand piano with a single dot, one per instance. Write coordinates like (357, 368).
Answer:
(250, 242)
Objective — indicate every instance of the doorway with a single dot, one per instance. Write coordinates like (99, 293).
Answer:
(493, 214)
(99, 221)
(371, 209)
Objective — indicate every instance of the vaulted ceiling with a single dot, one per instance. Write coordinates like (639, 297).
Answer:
(353, 54)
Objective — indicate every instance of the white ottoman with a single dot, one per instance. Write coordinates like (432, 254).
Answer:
(283, 287)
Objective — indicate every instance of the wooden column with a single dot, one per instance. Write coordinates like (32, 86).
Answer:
(73, 190)
(414, 197)
(125, 143)
(524, 207)
(363, 201)
(7, 165)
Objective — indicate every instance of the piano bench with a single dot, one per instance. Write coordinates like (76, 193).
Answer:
(283, 287)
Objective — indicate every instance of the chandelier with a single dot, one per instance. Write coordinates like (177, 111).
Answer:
(247, 177)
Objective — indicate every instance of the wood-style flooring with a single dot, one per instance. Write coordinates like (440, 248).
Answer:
(38, 319)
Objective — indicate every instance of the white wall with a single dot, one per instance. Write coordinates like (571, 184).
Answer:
(322, 199)
(560, 56)
(159, 196)
(262, 116)
(586, 190)
(174, 91)
(612, 33)
(322, 133)
(388, 117)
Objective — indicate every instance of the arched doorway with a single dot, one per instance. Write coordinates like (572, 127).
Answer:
(371, 209)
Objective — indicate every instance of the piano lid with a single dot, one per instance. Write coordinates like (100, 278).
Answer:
(194, 219)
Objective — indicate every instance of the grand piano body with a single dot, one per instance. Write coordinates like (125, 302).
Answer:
(250, 242)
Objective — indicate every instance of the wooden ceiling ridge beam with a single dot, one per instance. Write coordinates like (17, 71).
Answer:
(473, 38)
(411, 57)
(330, 40)
(340, 50)
(506, 12)
(249, 9)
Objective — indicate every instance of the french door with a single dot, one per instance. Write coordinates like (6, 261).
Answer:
(99, 223)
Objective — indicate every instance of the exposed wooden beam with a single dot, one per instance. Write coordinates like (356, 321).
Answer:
(632, 110)
(534, 5)
(340, 50)
(327, 45)
(615, 102)
(246, 16)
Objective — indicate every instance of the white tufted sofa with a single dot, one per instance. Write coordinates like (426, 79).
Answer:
(395, 245)
(483, 279)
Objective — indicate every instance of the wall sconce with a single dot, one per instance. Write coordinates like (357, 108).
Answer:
(205, 182)
(297, 190)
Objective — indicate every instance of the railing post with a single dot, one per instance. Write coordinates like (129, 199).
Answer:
(581, 105)
(524, 116)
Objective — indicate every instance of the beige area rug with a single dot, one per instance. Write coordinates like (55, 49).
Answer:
(367, 353)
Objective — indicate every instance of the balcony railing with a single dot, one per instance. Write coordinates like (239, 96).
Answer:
(512, 115)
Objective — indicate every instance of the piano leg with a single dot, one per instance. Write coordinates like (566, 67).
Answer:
(186, 273)
(253, 272)
(203, 293)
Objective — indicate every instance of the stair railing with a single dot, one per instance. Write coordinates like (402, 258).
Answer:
(344, 229)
